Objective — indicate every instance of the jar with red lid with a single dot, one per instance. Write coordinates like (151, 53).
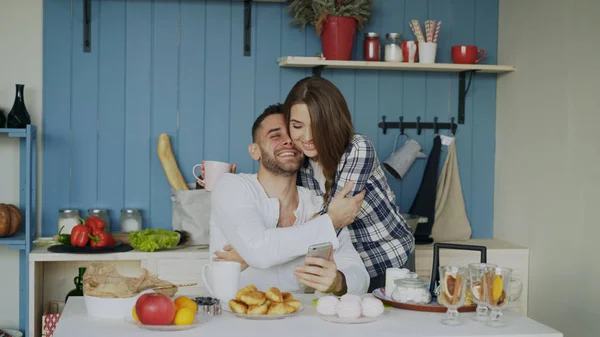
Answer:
(372, 47)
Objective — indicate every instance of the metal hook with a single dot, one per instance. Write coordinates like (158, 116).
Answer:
(418, 125)
(436, 129)
(401, 125)
(453, 127)
(384, 127)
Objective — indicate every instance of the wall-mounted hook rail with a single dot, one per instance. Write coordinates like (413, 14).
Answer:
(87, 26)
(418, 125)
(463, 88)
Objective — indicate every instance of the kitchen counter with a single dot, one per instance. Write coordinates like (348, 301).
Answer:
(394, 322)
(51, 274)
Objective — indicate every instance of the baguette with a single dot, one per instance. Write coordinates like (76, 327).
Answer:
(167, 159)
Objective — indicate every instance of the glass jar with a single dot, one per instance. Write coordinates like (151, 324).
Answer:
(102, 214)
(372, 47)
(393, 47)
(412, 290)
(67, 219)
(131, 220)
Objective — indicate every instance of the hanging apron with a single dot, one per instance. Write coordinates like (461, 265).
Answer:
(424, 203)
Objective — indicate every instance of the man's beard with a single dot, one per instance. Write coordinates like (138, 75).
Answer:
(270, 163)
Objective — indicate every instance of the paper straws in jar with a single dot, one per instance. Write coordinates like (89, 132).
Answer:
(432, 31)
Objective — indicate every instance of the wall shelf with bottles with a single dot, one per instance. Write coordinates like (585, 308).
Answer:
(23, 239)
(318, 65)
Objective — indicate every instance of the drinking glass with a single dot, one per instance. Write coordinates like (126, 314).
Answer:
(452, 292)
(477, 285)
(498, 292)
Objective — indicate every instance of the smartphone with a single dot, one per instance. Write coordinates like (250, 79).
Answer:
(319, 250)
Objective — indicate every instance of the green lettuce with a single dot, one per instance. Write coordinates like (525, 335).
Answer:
(150, 240)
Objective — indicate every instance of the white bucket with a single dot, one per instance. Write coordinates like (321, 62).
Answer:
(112, 308)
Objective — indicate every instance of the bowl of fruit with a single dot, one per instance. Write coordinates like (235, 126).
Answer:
(155, 311)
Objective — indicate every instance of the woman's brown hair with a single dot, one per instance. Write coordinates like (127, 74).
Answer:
(331, 122)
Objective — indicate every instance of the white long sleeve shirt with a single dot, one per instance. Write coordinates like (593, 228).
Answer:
(243, 215)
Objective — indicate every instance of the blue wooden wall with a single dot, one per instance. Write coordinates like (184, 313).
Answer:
(177, 67)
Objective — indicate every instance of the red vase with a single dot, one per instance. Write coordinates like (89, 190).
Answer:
(338, 37)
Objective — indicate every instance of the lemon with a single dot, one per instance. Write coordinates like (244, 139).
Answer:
(185, 302)
(497, 287)
(184, 316)
(134, 314)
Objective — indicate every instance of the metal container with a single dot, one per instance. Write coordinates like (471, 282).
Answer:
(208, 305)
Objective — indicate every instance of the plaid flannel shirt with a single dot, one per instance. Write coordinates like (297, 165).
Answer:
(380, 234)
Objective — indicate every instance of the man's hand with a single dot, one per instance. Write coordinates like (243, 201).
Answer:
(202, 173)
(321, 275)
(343, 210)
(230, 254)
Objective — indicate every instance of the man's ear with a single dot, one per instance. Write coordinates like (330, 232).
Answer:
(254, 151)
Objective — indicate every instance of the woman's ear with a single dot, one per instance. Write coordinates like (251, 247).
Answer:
(254, 151)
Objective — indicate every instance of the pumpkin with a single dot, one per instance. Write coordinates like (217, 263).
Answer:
(10, 220)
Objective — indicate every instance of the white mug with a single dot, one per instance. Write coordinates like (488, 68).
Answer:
(213, 170)
(223, 279)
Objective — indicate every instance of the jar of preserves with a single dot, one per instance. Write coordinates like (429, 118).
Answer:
(372, 47)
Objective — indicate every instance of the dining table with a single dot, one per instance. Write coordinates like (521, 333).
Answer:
(396, 322)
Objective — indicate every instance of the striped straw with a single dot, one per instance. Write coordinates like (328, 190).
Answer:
(437, 32)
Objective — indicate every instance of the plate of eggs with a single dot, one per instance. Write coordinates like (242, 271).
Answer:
(349, 309)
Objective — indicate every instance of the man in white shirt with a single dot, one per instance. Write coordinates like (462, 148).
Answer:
(270, 222)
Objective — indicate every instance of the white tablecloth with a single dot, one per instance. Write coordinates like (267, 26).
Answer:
(74, 322)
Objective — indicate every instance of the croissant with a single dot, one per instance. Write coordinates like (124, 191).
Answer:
(274, 295)
(253, 297)
(247, 288)
(237, 307)
(280, 309)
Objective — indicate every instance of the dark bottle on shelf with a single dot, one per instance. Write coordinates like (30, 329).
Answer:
(18, 118)
(78, 280)
(2, 119)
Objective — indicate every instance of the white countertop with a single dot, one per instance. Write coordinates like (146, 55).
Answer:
(41, 254)
(394, 322)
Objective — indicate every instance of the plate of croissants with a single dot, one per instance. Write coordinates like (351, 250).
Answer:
(251, 303)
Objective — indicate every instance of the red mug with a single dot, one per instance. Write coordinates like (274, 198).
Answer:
(410, 50)
(467, 54)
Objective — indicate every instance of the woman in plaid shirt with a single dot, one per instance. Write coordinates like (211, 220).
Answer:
(320, 125)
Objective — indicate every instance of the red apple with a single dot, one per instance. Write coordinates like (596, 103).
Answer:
(155, 309)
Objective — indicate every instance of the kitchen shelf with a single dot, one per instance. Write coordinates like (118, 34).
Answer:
(305, 62)
(317, 66)
(16, 241)
(22, 240)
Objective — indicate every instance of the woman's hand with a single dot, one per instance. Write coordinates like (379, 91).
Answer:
(321, 275)
(233, 168)
(343, 210)
(230, 254)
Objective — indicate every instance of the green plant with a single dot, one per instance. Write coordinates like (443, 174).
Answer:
(315, 12)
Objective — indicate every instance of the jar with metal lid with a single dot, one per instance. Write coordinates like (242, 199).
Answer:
(67, 219)
(131, 220)
(393, 47)
(412, 290)
(372, 47)
(102, 214)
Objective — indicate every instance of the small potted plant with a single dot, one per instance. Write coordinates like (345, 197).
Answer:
(335, 22)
